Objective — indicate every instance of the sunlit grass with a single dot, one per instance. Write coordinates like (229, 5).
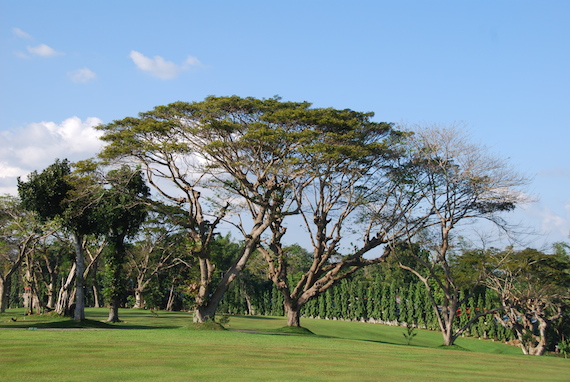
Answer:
(160, 346)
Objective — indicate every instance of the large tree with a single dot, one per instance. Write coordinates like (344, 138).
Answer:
(351, 191)
(123, 210)
(332, 169)
(182, 148)
(57, 194)
(460, 183)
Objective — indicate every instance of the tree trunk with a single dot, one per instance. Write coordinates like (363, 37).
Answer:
(79, 314)
(448, 338)
(4, 293)
(33, 300)
(447, 331)
(533, 344)
(139, 299)
(63, 296)
(293, 313)
(206, 312)
(114, 311)
(51, 295)
(95, 287)
(36, 307)
(170, 302)
(116, 279)
(50, 286)
(6, 278)
(96, 303)
(250, 310)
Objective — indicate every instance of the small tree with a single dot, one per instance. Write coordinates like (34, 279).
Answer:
(564, 347)
(161, 247)
(410, 333)
(20, 230)
(534, 289)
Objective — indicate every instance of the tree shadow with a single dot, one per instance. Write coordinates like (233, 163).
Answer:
(78, 325)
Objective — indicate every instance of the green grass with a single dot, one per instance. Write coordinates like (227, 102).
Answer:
(163, 346)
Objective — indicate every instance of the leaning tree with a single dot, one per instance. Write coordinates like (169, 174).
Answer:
(460, 183)
(182, 149)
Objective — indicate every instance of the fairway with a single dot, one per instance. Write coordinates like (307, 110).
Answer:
(162, 346)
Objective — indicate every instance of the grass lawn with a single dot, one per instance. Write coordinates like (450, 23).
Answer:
(164, 346)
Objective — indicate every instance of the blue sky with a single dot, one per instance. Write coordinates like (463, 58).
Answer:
(500, 67)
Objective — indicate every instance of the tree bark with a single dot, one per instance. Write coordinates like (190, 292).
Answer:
(139, 299)
(96, 303)
(51, 284)
(33, 300)
(206, 312)
(530, 343)
(206, 308)
(95, 285)
(448, 337)
(6, 278)
(79, 314)
(250, 310)
(114, 311)
(51, 295)
(63, 295)
(4, 293)
(170, 302)
(293, 313)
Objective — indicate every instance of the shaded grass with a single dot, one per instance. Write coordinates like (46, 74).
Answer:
(132, 319)
(293, 330)
(338, 351)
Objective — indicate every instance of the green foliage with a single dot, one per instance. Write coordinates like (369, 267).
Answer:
(208, 325)
(564, 347)
(410, 333)
(47, 192)
(121, 208)
(57, 193)
(223, 319)
(533, 286)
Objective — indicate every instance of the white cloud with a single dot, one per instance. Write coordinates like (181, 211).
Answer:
(21, 55)
(20, 33)
(81, 76)
(191, 61)
(7, 171)
(36, 146)
(555, 223)
(159, 67)
(43, 50)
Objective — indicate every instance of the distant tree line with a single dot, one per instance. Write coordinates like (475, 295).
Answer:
(383, 294)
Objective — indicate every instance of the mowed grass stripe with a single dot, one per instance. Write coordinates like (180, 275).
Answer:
(338, 352)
